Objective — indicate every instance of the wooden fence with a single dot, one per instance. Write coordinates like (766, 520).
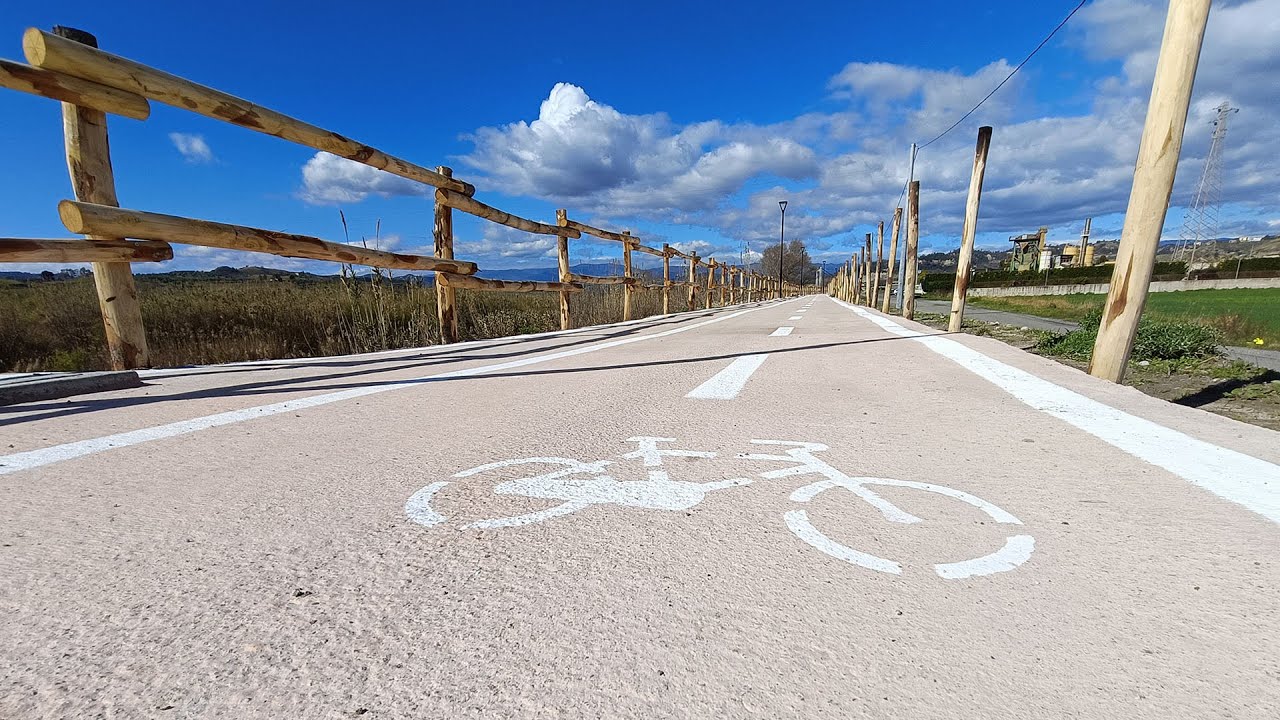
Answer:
(66, 65)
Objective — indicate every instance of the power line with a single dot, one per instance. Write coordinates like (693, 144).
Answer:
(1043, 42)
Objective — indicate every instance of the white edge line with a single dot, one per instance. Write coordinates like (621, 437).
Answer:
(1234, 476)
(17, 462)
(726, 384)
(428, 349)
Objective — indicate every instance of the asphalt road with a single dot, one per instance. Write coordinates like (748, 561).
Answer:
(703, 515)
(1269, 359)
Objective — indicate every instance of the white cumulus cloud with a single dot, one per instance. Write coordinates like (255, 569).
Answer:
(192, 147)
(331, 180)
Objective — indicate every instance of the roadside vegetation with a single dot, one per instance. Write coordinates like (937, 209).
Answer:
(1240, 316)
(56, 325)
(1174, 360)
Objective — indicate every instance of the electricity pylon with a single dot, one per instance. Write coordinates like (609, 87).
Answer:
(1201, 222)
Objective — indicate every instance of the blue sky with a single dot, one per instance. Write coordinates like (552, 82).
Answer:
(684, 122)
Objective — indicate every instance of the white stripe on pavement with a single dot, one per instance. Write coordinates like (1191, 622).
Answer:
(795, 317)
(782, 331)
(726, 384)
(1230, 475)
(17, 462)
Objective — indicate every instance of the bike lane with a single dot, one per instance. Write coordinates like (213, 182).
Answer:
(276, 571)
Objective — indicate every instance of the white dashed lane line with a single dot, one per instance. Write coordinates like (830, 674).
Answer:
(726, 384)
(782, 331)
(794, 317)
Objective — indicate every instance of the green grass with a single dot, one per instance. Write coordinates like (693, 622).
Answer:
(1239, 315)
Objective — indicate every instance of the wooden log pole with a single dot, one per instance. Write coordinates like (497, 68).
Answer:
(913, 246)
(693, 281)
(666, 279)
(1153, 178)
(964, 263)
(604, 280)
(875, 282)
(471, 206)
(893, 259)
(626, 289)
(446, 295)
(74, 90)
(33, 250)
(470, 282)
(857, 278)
(69, 57)
(866, 272)
(92, 179)
(711, 279)
(91, 219)
(562, 262)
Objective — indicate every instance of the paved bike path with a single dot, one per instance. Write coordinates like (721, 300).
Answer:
(290, 564)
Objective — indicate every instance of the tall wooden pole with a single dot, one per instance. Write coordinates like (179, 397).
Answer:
(693, 281)
(913, 244)
(562, 258)
(711, 277)
(446, 296)
(626, 289)
(964, 263)
(866, 272)
(666, 279)
(893, 259)
(92, 180)
(858, 277)
(875, 284)
(1153, 177)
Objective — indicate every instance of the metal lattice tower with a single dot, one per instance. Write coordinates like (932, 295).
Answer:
(1201, 223)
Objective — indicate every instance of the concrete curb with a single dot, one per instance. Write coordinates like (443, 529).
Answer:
(33, 387)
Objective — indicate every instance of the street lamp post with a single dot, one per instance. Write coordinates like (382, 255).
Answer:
(782, 242)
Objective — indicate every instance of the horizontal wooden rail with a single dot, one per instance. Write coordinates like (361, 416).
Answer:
(603, 280)
(91, 219)
(80, 250)
(48, 51)
(74, 90)
(649, 250)
(475, 207)
(597, 232)
(470, 282)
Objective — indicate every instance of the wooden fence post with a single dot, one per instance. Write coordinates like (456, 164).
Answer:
(856, 270)
(626, 271)
(866, 272)
(446, 297)
(666, 279)
(1153, 177)
(893, 258)
(875, 283)
(693, 281)
(562, 257)
(92, 179)
(711, 278)
(964, 263)
(913, 244)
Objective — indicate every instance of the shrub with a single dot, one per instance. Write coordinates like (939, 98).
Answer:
(1173, 341)
(1155, 340)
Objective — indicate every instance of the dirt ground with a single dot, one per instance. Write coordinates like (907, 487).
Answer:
(1220, 385)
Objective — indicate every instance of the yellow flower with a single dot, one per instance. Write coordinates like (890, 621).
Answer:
(1259, 341)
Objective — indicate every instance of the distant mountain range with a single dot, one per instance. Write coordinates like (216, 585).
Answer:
(264, 273)
(937, 262)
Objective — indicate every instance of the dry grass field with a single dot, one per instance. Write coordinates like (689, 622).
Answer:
(56, 325)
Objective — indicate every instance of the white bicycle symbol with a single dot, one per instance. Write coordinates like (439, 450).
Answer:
(659, 492)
